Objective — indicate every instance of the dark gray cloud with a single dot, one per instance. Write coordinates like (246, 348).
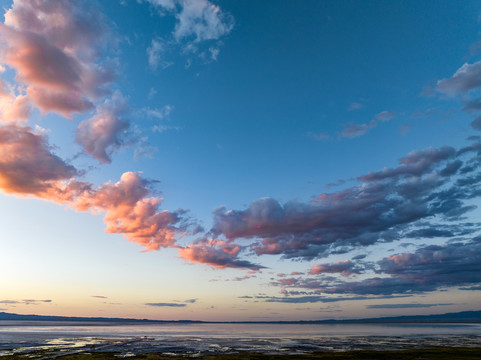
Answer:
(472, 105)
(166, 304)
(425, 196)
(430, 268)
(344, 268)
(476, 123)
(190, 301)
(403, 306)
(322, 299)
(25, 302)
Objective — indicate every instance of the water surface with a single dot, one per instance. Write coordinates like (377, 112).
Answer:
(199, 339)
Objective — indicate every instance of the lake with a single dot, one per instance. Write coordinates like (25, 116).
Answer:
(207, 338)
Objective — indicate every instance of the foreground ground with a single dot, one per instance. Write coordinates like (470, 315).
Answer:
(436, 353)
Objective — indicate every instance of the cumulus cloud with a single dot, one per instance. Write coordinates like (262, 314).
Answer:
(29, 167)
(429, 268)
(344, 268)
(216, 253)
(466, 78)
(106, 131)
(433, 183)
(54, 48)
(14, 108)
(129, 211)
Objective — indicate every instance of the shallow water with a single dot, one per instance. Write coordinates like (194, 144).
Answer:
(198, 339)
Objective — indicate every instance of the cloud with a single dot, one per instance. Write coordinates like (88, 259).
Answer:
(318, 136)
(54, 48)
(197, 22)
(57, 50)
(217, 253)
(354, 130)
(129, 211)
(344, 268)
(472, 105)
(430, 268)
(14, 108)
(476, 123)
(156, 53)
(29, 167)
(107, 130)
(35, 302)
(319, 299)
(99, 297)
(24, 302)
(355, 106)
(385, 115)
(161, 113)
(427, 184)
(190, 301)
(404, 306)
(201, 20)
(165, 304)
(466, 78)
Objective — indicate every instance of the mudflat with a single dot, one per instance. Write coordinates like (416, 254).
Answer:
(439, 353)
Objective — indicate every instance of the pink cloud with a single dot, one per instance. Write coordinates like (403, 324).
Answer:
(28, 167)
(345, 268)
(104, 132)
(130, 212)
(54, 46)
(217, 253)
(14, 108)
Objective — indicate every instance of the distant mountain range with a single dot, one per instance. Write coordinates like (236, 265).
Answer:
(459, 317)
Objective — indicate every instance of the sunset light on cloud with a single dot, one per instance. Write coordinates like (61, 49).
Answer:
(199, 159)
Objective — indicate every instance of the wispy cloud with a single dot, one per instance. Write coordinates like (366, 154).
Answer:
(199, 27)
(355, 106)
(354, 130)
(404, 306)
(161, 304)
(24, 302)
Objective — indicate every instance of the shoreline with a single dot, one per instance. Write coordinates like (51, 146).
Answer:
(441, 353)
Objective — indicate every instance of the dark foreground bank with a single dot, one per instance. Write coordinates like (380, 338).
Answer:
(441, 353)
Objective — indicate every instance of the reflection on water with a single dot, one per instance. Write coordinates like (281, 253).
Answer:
(197, 339)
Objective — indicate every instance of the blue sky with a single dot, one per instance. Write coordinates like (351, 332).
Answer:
(277, 159)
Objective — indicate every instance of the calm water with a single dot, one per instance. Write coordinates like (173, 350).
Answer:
(196, 339)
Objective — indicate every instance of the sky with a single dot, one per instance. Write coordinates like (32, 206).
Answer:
(240, 160)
